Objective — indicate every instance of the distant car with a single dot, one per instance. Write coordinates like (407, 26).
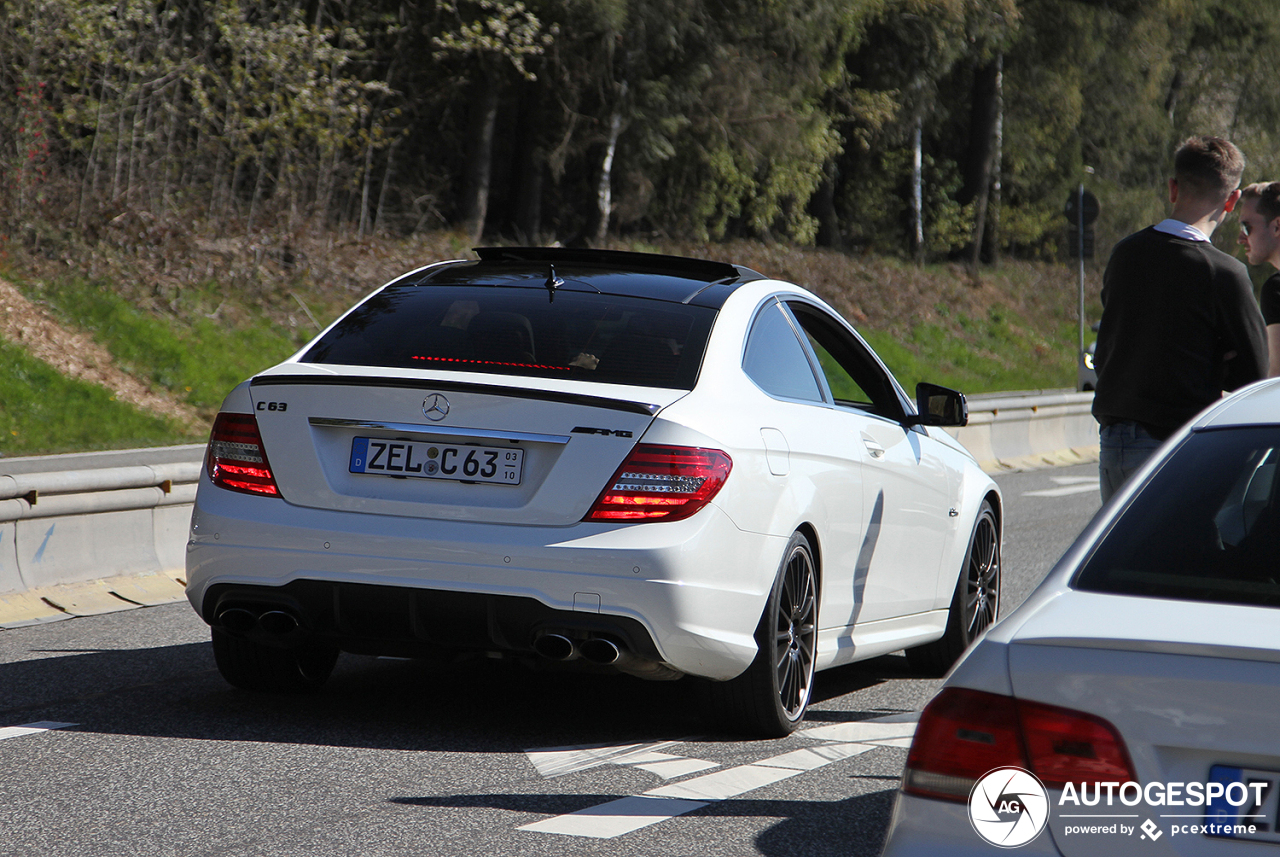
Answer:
(673, 466)
(1140, 683)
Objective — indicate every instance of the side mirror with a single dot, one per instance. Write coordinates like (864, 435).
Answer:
(939, 406)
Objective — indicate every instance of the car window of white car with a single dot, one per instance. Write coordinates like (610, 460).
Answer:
(854, 377)
(776, 360)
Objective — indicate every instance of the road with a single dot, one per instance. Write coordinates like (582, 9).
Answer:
(117, 736)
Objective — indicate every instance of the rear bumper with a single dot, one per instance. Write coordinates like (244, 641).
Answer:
(694, 588)
(922, 827)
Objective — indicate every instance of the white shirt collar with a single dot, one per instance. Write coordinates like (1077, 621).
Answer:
(1182, 230)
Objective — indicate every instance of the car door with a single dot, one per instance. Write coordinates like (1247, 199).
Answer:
(907, 514)
(823, 479)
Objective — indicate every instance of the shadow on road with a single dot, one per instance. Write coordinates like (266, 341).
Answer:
(475, 705)
(852, 827)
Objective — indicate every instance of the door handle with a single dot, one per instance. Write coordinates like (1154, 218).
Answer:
(876, 450)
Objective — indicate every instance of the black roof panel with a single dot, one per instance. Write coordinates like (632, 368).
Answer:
(671, 278)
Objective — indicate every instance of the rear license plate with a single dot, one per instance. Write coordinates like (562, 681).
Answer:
(1260, 806)
(458, 462)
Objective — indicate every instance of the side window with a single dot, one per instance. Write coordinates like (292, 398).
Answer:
(844, 388)
(854, 376)
(775, 359)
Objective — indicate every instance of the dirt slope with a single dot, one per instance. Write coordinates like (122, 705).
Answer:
(76, 355)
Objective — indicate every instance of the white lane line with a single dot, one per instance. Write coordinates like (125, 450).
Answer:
(634, 812)
(863, 732)
(1063, 492)
(673, 768)
(615, 818)
(815, 757)
(725, 784)
(1070, 485)
(32, 728)
(557, 761)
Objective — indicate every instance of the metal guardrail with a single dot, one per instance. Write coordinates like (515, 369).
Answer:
(84, 517)
(85, 492)
(67, 519)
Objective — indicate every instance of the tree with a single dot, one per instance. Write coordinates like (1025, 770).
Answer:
(497, 38)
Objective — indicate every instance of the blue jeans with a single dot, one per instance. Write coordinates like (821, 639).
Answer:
(1125, 446)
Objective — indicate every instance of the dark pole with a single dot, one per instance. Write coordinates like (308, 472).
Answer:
(1080, 236)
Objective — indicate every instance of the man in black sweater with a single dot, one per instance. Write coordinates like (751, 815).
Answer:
(1260, 234)
(1179, 321)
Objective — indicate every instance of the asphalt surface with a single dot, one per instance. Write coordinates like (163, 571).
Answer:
(474, 758)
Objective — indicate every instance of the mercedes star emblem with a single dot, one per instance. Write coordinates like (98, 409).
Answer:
(436, 407)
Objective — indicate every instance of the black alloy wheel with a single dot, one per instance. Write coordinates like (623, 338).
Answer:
(770, 698)
(975, 605)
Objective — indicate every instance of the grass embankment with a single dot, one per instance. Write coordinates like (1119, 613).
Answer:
(43, 411)
(193, 341)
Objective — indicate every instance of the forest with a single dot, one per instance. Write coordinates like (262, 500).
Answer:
(923, 129)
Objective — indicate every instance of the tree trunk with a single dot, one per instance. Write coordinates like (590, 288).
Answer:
(823, 207)
(474, 205)
(984, 113)
(530, 165)
(917, 190)
(983, 138)
(528, 209)
(365, 226)
(388, 173)
(992, 232)
(604, 189)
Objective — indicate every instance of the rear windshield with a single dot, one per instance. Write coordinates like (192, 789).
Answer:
(523, 331)
(1206, 528)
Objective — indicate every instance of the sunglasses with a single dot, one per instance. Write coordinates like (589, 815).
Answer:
(1246, 229)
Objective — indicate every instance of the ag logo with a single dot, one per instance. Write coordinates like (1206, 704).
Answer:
(1009, 807)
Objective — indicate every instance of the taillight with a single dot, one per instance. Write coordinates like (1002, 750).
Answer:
(661, 483)
(963, 734)
(237, 460)
(1067, 746)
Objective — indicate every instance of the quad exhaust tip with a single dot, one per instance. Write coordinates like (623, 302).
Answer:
(238, 619)
(276, 623)
(599, 651)
(555, 647)
(558, 647)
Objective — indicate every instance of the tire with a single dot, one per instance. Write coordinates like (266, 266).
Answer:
(769, 699)
(257, 667)
(975, 603)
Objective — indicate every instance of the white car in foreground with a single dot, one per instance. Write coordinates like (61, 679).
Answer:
(1140, 683)
(672, 466)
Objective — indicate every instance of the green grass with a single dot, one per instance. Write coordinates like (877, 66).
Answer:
(991, 356)
(197, 359)
(41, 411)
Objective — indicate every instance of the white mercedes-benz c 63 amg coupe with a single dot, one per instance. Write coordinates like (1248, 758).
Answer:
(676, 467)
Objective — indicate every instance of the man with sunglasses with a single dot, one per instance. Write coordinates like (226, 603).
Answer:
(1179, 320)
(1260, 235)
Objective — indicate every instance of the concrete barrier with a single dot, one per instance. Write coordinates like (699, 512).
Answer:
(1020, 431)
(92, 533)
